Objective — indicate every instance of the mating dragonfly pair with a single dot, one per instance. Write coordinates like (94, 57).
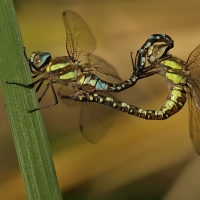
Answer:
(90, 80)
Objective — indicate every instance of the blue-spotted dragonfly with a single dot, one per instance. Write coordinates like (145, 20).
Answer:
(85, 74)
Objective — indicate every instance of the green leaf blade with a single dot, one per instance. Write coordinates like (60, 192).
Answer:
(28, 129)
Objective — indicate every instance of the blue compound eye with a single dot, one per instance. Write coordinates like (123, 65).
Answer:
(39, 59)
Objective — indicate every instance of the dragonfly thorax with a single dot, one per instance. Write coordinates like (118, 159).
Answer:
(174, 70)
(63, 70)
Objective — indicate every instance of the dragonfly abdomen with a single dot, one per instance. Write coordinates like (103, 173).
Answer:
(90, 82)
(111, 87)
(175, 101)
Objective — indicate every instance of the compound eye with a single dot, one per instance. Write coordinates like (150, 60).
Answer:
(156, 52)
(150, 57)
(39, 59)
(159, 51)
(32, 57)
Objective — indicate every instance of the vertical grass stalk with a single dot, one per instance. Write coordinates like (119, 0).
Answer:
(28, 129)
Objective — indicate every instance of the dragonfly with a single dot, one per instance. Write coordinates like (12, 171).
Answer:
(183, 79)
(81, 73)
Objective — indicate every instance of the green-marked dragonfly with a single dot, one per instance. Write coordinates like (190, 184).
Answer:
(85, 74)
(183, 79)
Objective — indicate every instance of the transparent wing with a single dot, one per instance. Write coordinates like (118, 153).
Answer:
(96, 120)
(193, 64)
(80, 42)
(68, 90)
(193, 60)
(194, 123)
(102, 69)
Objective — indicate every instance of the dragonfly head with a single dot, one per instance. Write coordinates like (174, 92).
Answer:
(38, 60)
(156, 51)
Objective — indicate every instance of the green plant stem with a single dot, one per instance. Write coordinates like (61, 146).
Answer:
(28, 129)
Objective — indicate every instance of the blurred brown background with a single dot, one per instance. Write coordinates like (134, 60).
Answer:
(138, 159)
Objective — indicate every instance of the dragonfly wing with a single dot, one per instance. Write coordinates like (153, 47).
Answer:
(194, 123)
(96, 120)
(102, 69)
(193, 64)
(193, 60)
(80, 42)
(67, 90)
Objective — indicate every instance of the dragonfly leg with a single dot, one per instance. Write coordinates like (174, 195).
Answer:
(30, 86)
(80, 95)
(147, 74)
(36, 75)
(141, 73)
(39, 86)
(42, 95)
(26, 54)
